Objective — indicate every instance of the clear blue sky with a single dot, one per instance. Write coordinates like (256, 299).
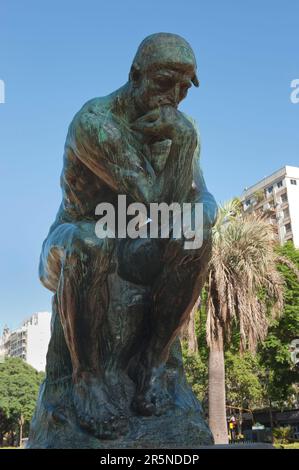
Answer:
(55, 55)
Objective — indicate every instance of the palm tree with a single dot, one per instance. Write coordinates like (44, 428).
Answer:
(244, 289)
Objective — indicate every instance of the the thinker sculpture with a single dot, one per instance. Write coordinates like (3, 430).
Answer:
(114, 368)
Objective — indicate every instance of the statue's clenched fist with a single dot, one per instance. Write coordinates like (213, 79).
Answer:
(165, 122)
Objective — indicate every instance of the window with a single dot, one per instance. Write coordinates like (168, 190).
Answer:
(284, 197)
(286, 213)
(270, 189)
(279, 184)
(294, 182)
(288, 227)
(247, 203)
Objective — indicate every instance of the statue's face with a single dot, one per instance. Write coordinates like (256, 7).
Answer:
(163, 85)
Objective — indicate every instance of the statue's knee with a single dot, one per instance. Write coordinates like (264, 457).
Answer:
(199, 255)
(77, 257)
(83, 254)
(186, 252)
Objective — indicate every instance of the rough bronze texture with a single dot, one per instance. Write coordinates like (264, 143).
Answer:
(114, 376)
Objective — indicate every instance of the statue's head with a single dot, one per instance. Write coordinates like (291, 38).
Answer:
(163, 70)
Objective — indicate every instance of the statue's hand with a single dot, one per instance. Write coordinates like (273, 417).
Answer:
(164, 123)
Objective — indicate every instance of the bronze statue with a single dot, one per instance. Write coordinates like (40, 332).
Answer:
(114, 370)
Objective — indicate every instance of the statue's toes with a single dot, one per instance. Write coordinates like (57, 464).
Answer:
(111, 427)
(143, 407)
(106, 430)
(103, 426)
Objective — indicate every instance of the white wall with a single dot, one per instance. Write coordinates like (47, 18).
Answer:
(38, 337)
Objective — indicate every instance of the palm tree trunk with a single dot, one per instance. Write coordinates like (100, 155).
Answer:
(217, 404)
(21, 422)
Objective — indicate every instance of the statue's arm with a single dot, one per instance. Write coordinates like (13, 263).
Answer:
(99, 144)
(199, 191)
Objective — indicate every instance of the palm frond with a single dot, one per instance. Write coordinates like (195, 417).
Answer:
(242, 267)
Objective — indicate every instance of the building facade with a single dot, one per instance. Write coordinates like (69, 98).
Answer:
(30, 341)
(277, 196)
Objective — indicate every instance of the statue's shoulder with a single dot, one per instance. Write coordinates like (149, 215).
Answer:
(95, 110)
(94, 114)
(96, 106)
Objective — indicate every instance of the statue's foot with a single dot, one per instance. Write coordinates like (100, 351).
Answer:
(95, 411)
(143, 406)
(153, 398)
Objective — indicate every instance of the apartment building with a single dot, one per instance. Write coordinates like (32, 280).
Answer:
(277, 196)
(30, 341)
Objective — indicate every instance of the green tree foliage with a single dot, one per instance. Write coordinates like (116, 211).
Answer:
(196, 369)
(19, 384)
(282, 434)
(275, 350)
(196, 365)
(251, 379)
(245, 382)
(244, 388)
(243, 385)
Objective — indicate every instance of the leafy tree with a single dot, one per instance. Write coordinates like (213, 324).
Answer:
(19, 384)
(259, 380)
(196, 357)
(275, 350)
(243, 386)
(196, 369)
(242, 268)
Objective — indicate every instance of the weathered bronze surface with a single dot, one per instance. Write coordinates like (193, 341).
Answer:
(115, 377)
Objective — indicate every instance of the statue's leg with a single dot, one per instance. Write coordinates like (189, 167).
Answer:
(175, 291)
(81, 262)
(82, 301)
